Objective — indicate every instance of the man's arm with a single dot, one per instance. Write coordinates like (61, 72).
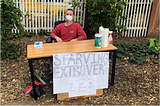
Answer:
(56, 32)
(81, 33)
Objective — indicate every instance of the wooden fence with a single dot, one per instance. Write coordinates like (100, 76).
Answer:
(43, 13)
(137, 20)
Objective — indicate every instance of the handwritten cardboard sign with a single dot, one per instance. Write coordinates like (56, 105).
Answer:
(74, 70)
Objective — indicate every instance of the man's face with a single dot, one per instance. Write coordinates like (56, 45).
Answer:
(70, 12)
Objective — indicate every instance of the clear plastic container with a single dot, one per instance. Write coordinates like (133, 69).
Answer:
(38, 45)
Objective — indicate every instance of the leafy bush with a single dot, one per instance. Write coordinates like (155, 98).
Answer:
(106, 12)
(74, 3)
(154, 43)
(137, 53)
(11, 18)
(29, 33)
(43, 32)
(10, 51)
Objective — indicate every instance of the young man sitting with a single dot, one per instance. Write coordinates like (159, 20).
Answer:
(68, 31)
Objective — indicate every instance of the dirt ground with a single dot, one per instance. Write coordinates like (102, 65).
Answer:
(134, 84)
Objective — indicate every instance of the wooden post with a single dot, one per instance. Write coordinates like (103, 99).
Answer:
(153, 16)
(157, 23)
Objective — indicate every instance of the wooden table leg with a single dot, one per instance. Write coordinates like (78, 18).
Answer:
(32, 77)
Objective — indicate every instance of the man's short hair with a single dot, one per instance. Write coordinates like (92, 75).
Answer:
(71, 10)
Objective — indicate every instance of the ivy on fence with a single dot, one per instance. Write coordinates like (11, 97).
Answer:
(107, 12)
(11, 18)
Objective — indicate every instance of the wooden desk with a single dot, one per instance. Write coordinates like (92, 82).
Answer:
(83, 46)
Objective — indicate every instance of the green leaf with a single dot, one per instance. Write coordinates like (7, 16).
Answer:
(132, 58)
(157, 48)
(156, 62)
(157, 44)
(119, 55)
(151, 42)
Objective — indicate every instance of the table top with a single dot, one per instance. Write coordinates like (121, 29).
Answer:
(49, 49)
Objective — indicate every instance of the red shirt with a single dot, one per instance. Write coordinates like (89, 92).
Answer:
(67, 33)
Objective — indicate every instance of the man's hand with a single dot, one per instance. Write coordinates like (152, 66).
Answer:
(73, 40)
(58, 39)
